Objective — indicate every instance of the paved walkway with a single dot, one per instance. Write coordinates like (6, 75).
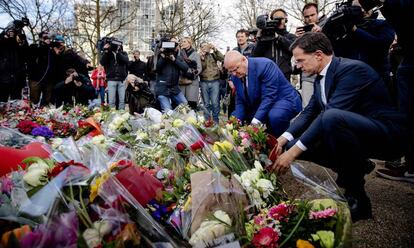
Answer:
(393, 211)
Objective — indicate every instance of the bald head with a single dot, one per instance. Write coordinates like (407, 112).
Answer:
(235, 63)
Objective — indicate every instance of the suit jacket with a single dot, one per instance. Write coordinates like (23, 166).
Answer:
(350, 85)
(266, 86)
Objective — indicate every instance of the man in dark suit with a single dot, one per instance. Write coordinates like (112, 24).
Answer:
(263, 94)
(349, 119)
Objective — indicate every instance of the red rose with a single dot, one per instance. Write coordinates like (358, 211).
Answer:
(197, 145)
(266, 237)
(180, 147)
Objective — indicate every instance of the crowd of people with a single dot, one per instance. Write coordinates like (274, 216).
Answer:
(354, 100)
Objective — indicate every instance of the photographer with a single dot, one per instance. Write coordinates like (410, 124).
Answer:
(41, 69)
(274, 41)
(190, 82)
(397, 12)
(168, 67)
(76, 87)
(140, 95)
(310, 13)
(137, 66)
(209, 80)
(369, 41)
(13, 53)
(115, 62)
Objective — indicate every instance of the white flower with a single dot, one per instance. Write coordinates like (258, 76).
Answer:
(258, 165)
(142, 135)
(223, 216)
(229, 126)
(36, 174)
(178, 123)
(265, 186)
(211, 229)
(93, 236)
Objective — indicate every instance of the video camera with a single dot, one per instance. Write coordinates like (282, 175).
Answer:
(338, 25)
(114, 42)
(164, 42)
(17, 26)
(268, 27)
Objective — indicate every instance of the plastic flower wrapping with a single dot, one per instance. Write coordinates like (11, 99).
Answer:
(101, 178)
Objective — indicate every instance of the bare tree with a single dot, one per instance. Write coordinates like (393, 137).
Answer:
(43, 14)
(95, 19)
(245, 12)
(198, 19)
(294, 8)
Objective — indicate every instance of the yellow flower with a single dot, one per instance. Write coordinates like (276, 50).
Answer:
(225, 145)
(96, 186)
(300, 243)
(178, 123)
(191, 120)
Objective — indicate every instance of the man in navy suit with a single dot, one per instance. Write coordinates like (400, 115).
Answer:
(263, 95)
(349, 119)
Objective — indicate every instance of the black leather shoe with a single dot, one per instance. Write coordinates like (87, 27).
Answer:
(360, 207)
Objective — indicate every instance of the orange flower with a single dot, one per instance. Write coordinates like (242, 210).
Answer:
(300, 243)
(18, 234)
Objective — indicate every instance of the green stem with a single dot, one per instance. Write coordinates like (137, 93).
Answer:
(293, 231)
(85, 212)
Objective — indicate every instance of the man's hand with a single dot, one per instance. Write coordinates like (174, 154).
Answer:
(172, 58)
(282, 164)
(77, 83)
(284, 161)
(299, 32)
(316, 28)
(69, 79)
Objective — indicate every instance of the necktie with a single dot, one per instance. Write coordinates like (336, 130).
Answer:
(317, 83)
(246, 95)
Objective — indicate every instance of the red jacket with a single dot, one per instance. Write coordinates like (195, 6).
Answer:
(98, 80)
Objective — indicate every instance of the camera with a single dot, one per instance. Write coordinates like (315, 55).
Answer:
(114, 42)
(268, 27)
(17, 26)
(306, 28)
(338, 25)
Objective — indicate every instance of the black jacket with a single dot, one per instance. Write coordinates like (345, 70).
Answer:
(12, 61)
(277, 50)
(115, 65)
(40, 63)
(138, 68)
(65, 92)
(168, 73)
(69, 59)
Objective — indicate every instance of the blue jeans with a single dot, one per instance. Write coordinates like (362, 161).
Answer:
(210, 91)
(113, 87)
(101, 92)
(165, 101)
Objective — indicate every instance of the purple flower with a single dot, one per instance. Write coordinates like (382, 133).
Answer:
(6, 185)
(62, 231)
(43, 131)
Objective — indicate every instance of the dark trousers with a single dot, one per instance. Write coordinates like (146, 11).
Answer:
(45, 89)
(348, 140)
(10, 90)
(405, 81)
